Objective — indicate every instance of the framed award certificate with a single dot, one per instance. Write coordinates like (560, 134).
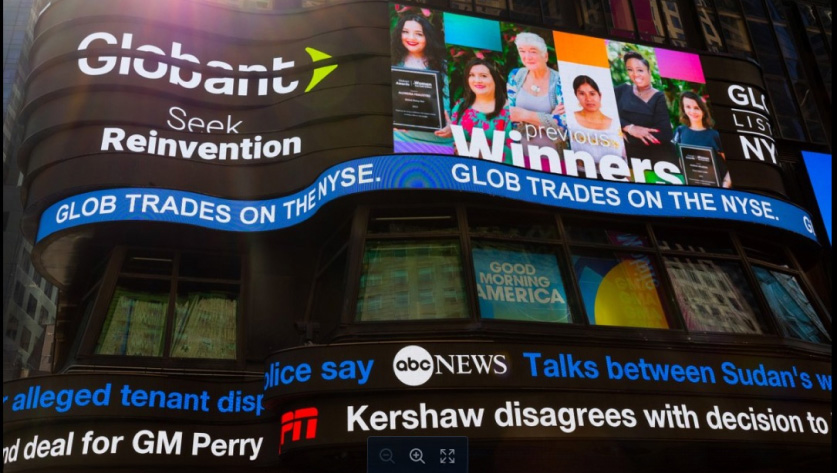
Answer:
(416, 100)
(699, 166)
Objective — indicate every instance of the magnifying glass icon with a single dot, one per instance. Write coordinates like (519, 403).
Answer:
(386, 456)
(417, 455)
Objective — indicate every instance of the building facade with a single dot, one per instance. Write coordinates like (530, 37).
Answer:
(567, 236)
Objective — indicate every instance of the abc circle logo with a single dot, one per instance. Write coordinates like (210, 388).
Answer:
(413, 365)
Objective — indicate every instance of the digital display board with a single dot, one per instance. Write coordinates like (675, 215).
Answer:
(819, 171)
(570, 104)
(172, 110)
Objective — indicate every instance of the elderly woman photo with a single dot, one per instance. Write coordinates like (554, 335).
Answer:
(643, 112)
(534, 92)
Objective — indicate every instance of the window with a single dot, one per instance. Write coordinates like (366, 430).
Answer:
(493, 267)
(713, 295)
(709, 26)
(18, 294)
(31, 305)
(411, 260)
(43, 316)
(173, 305)
(11, 327)
(407, 292)
(25, 339)
(791, 306)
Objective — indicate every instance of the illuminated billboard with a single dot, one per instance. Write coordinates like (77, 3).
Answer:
(450, 102)
(563, 103)
(819, 171)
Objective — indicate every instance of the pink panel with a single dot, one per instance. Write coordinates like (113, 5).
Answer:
(677, 65)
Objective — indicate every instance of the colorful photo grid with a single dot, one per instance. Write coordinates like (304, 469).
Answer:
(550, 101)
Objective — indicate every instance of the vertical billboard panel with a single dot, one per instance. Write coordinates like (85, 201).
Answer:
(819, 171)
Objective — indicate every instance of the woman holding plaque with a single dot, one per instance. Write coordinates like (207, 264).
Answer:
(483, 106)
(417, 45)
(643, 112)
(696, 130)
(535, 100)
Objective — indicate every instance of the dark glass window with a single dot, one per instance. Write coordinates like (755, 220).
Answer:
(713, 295)
(173, 305)
(490, 222)
(529, 266)
(43, 317)
(25, 339)
(400, 286)
(600, 233)
(593, 15)
(674, 23)
(11, 327)
(709, 26)
(136, 319)
(791, 306)
(18, 294)
(32, 306)
(694, 241)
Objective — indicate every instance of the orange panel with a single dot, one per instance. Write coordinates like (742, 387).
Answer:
(580, 49)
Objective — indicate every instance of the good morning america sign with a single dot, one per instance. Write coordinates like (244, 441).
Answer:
(421, 172)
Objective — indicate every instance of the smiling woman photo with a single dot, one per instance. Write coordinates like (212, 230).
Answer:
(416, 44)
(483, 104)
(643, 112)
(696, 130)
(419, 45)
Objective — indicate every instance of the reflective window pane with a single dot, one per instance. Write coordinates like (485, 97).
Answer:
(620, 289)
(648, 20)
(591, 232)
(148, 262)
(592, 14)
(674, 23)
(205, 322)
(621, 16)
(136, 319)
(797, 318)
(735, 34)
(519, 282)
(713, 296)
(506, 224)
(711, 30)
(387, 221)
(694, 241)
(402, 293)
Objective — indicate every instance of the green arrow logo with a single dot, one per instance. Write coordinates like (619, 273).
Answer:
(320, 73)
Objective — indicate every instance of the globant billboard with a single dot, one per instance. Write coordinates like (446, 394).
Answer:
(148, 123)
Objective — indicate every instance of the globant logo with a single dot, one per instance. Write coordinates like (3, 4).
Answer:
(413, 365)
(213, 76)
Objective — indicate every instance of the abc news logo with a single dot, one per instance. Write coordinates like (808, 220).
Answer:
(414, 366)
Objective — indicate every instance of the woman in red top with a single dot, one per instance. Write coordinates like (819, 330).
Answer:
(484, 105)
